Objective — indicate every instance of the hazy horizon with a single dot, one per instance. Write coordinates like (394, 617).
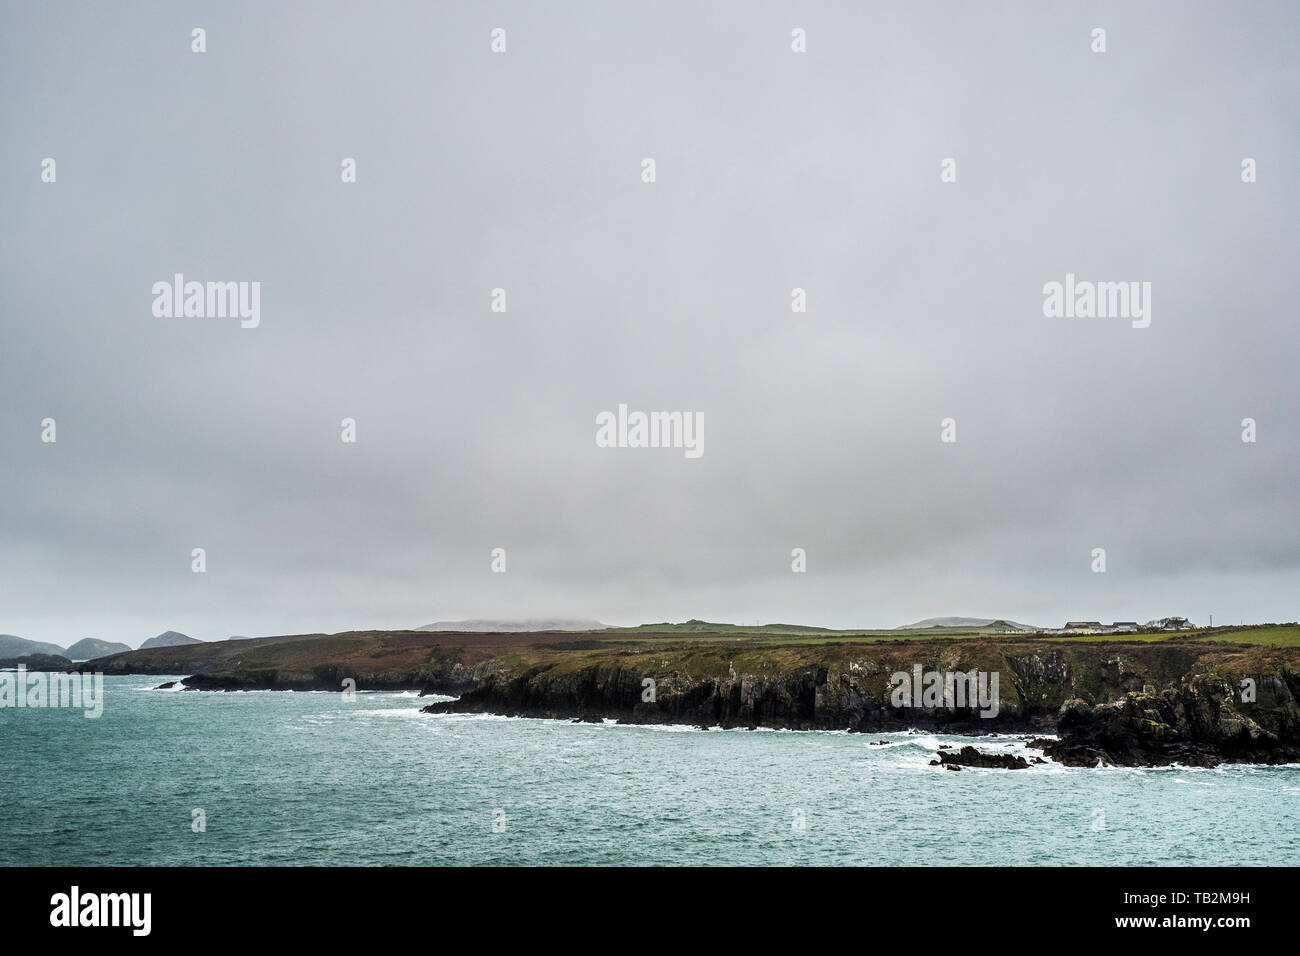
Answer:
(776, 170)
(1039, 624)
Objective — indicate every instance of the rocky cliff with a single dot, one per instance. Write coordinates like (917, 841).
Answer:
(1133, 701)
(1201, 720)
(1141, 703)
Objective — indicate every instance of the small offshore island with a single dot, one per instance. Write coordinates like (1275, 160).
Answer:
(1196, 697)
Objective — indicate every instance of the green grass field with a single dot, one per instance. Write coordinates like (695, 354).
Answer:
(1273, 635)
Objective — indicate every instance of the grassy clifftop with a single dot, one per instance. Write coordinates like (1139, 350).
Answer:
(410, 656)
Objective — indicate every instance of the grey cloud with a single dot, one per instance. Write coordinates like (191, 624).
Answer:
(774, 171)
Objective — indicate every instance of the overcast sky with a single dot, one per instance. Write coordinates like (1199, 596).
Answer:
(523, 171)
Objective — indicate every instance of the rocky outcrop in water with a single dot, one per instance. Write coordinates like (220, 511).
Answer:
(970, 757)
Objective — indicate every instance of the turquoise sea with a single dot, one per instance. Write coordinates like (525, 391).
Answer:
(308, 778)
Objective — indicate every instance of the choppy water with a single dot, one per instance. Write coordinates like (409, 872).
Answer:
(306, 778)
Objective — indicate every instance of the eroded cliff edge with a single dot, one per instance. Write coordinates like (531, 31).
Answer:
(1118, 702)
(1128, 704)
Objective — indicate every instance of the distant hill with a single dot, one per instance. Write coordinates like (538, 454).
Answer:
(11, 646)
(999, 623)
(38, 662)
(170, 639)
(481, 625)
(88, 648)
(696, 626)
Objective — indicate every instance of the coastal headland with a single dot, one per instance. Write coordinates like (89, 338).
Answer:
(1198, 698)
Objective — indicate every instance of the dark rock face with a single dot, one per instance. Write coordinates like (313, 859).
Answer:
(1103, 703)
(1202, 722)
(820, 695)
(806, 698)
